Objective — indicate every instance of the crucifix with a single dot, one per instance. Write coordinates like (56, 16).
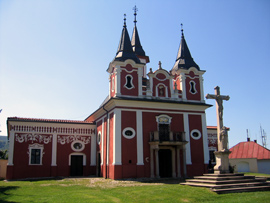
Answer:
(219, 108)
(222, 155)
(219, 105)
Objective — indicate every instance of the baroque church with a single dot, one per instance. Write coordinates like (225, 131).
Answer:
(152, 124)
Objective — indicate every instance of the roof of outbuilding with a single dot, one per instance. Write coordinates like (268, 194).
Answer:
(246, 150)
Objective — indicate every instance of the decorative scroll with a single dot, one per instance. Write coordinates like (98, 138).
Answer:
(71, 138)
(33, 138)
(212, 139)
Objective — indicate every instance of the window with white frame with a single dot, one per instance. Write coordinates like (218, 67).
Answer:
(192, 89)
(164, 122)
(129, 82)
(195, 134)
(35, 154)
(129, 133)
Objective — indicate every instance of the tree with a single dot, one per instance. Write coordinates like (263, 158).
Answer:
(3, 154)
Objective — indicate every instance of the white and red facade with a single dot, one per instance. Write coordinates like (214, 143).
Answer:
(151, 125)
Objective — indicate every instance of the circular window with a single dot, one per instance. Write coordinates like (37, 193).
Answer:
(77, 146)
(195, 134)
(129, 133)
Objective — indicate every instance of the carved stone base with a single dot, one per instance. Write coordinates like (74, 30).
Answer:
(222, 162)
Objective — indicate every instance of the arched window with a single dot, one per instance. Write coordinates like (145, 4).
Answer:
(161, 91)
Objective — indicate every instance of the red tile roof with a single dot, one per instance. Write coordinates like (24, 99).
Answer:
(246, 150)
(46, 120)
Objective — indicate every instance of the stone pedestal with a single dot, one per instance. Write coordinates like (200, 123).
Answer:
(222, 162)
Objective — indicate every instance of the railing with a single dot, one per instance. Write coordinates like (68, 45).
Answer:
(173, 137)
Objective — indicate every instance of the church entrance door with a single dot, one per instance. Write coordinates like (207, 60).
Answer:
(165, 163)
(76, 168)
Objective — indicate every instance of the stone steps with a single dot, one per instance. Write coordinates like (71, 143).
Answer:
(228, 183)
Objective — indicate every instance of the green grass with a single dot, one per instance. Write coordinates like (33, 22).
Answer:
(105, 190)
(257, 174)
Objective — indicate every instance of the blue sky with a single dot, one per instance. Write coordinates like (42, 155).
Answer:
(54, 54)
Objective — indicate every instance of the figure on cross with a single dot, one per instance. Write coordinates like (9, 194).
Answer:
(219, 103)
(221, 130)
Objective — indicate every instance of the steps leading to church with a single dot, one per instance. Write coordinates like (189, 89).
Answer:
(229, 183)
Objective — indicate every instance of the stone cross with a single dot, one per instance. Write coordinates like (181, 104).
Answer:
(219, 108)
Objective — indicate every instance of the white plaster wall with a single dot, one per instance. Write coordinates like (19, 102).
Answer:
(239, 163)
(264, 166)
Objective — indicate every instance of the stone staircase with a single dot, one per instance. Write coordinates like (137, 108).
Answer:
(229, 183)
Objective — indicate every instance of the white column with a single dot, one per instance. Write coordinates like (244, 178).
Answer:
(183, 85)
(184, 161)
(178, 160)
(93, 150)
(117, 145)
(157, 163)
(152, 161)
(139, 138)
(11, 148)
(187, 146)
(54, 149)
(102, 143)
(173, 163)
(108, 140)
(201, 88)
(205, 139)
(140, 74)
(118, 81)
(171, 87)
(110, 87)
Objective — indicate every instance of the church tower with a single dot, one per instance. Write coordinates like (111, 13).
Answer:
(128, 68)
(187, 74)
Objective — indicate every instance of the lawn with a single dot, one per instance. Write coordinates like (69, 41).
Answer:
(106, 190)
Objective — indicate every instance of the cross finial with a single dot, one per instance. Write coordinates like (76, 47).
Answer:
(135, 13)
(159, 65)
(182, 29)
(125, 20)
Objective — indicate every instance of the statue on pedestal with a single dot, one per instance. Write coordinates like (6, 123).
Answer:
(222, 155)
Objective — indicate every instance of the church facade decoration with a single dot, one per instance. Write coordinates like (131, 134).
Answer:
(152, 124)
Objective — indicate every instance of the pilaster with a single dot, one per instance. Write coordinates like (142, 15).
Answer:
(139, 138)
(187, 146)
(117, 144)
(183, 85)
(54, 149)
(11, 148)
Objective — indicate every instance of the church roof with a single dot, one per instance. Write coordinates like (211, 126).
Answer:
(44, 120)
(125, 50)
(246, 150)
(136, 44)
(184, 59)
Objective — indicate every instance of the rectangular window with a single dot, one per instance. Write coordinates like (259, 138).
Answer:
(35, 156)
(164, 132)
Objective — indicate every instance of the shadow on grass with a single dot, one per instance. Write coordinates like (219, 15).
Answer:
(4, 193)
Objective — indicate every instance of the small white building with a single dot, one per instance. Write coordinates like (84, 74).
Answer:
(250, 157)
